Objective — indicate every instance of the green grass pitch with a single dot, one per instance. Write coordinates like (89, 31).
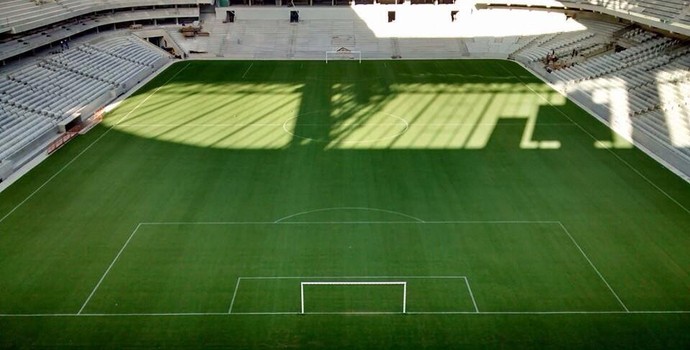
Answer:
(192, 214)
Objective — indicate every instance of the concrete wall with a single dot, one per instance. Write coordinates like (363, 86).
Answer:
(153, 33)
(360, 12)
(5, 170)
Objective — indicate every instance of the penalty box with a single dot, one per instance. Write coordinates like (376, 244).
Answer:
(206, 267)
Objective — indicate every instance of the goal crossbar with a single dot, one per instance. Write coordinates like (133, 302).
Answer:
(356, 283)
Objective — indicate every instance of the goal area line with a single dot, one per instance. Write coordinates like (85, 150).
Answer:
(351, 280)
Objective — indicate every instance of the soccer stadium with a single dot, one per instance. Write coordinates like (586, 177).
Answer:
(369, 174)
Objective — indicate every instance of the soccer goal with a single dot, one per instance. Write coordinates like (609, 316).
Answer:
(403, 286)
(343, 54)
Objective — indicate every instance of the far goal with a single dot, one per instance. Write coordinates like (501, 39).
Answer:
(401, 291)
(343, 54)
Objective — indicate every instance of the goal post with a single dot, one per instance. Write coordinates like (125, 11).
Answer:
(345, 283)
(343, 54)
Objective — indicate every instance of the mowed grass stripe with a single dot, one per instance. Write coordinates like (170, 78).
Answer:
(193, 268)
(464, 160)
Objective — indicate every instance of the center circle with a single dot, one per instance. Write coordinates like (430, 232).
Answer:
(313, 126)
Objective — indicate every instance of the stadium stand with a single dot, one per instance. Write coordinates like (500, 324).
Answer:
(44, 90)
(669, 15)
(271, 36)
(22, 15)
(668, 10)
(596, 37)
(639, 54)
(50, 37)
(39, 100)
(649, 72)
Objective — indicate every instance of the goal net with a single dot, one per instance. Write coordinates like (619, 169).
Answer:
(401, 292)
(343, 54)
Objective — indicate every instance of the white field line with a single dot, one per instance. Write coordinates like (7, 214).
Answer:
(349, 208)
(363, 313)
(344, 283)
(297, 313)
(87, 148)
(200, 124)
(279, 222)
(474, 302)
(234, 294)
(471, 222)
(355, 283)
(342, 222)
(358, 283)
(456, 75)
(311, 124)
(608, 149)
(417, 222)
(247, 71)
(593, 266)
(108, 269)
(210, 223)
(276, 313)
(143, 314)
(149, 96)
(350, 124)
(347, 277)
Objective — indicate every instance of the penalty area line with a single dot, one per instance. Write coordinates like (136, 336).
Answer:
(108, 269)
(469, 289)
(234, 294)
(593, 267)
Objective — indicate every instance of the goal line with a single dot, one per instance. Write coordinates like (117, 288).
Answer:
(353, 283)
